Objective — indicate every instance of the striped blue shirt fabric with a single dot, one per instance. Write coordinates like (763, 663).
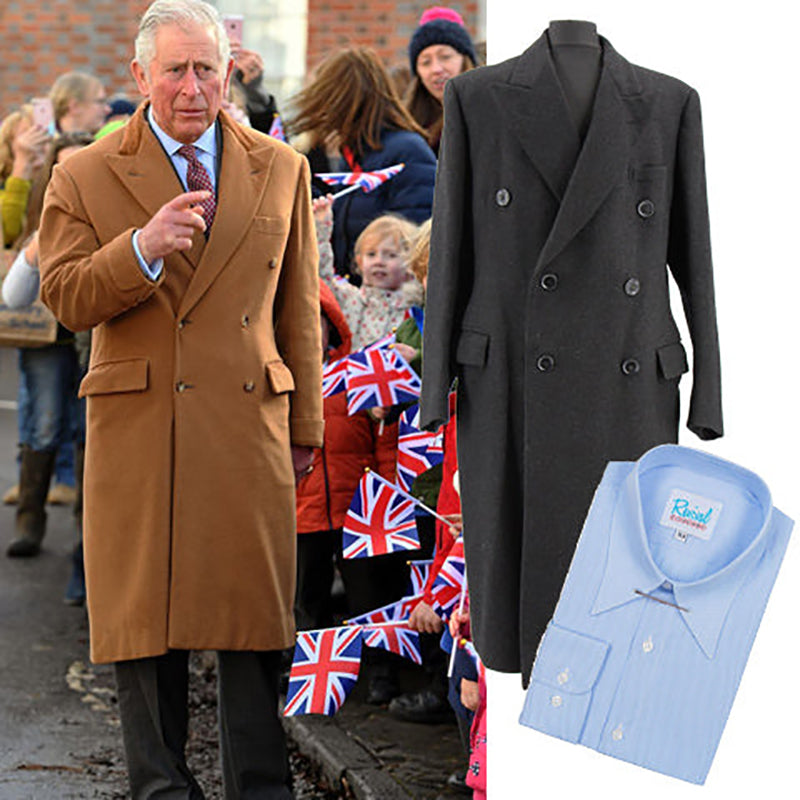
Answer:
(659, 611)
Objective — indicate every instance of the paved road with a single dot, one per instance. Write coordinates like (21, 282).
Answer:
(55, 741)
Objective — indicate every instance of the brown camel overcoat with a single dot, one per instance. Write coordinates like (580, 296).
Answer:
(198, 384)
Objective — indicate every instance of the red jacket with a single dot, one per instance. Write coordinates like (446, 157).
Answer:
(352, 443)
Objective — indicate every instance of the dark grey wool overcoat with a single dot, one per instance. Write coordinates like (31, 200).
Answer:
(548, 299)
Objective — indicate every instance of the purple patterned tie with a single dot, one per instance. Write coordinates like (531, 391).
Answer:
(197, 179)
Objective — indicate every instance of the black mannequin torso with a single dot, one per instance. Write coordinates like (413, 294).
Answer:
(576, 54)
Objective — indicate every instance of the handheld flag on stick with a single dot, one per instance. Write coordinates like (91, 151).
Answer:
(397, 638)
(450, 581)
(394, 612)
(380, 520)
(379, 377)
(366, 181)
(324, 671)
(276, 128)
(418, 573)
(417, 450)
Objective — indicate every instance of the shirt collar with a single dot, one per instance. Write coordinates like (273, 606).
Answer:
(630, 565)
(207, 141)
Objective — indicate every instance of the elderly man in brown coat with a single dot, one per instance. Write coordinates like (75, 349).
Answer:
(204, 399)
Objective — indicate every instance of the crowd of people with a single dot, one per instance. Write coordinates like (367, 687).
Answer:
(371, 260)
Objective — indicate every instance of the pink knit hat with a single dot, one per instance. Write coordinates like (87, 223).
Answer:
(440, 12)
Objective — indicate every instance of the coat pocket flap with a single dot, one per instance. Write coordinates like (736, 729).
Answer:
(280, 377)
(672, 360)
(569, 661)
(472, 347)
(110, 377)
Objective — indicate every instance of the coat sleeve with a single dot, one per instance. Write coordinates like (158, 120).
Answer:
(83, 283)
(689, 258)
(450, 268)
(297, 312)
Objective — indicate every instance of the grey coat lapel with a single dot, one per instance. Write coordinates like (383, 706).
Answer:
(617, 116)
(539, 116)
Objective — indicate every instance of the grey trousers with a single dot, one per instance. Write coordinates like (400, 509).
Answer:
(153, 694)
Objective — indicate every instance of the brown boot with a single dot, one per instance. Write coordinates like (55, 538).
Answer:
(34, 480)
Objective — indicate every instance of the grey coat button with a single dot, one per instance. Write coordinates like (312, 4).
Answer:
(646, 209)
(632, 287)
(249, 386)
(549, 281)
(503, 197)
(630, 366)
(545, 362)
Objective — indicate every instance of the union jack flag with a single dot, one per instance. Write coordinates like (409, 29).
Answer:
(417, 450)
(397, 638)
(446, 588)
(398, 611)
(418, 576)
(334, 377)
(379, 521)
(380, 344)
(276, 128)
(379, 377)
(366, 180)
(325, 669)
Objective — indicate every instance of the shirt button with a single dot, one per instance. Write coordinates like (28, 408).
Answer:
(646, 208)
(249, 386)
(562, 677)
(503, 197)
(647, 645)
(632, 287)
(556, 701)
(616, 734)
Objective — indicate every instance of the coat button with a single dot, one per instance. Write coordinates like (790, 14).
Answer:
(245, 320)
(549, 281)
(646, 209)
(180, 386)
(632, 287)
(249, 386)
(273, 262)
(545, 362)
(630, 366)
(503, 197)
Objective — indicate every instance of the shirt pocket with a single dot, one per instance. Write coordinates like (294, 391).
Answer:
(565, 672)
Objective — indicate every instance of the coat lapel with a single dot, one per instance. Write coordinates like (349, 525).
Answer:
(617, 117)
(244, 174)
(539, 116)
(144, 169)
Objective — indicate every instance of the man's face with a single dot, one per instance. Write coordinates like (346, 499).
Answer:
(185, 81)
(89, 114)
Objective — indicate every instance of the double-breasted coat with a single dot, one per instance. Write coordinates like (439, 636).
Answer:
(198, 384)
(548, 299)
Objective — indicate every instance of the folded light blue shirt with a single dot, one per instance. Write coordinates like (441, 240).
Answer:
(206, 148)
(659, 610)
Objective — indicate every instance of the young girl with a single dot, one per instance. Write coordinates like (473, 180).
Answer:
(381, 256)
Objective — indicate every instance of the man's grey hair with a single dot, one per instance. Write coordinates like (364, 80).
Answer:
(178, 12)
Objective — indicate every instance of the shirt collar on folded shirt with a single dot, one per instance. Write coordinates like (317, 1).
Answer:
(630, 565)
(206, 142)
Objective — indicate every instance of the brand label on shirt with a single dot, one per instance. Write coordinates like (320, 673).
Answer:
(689, 514)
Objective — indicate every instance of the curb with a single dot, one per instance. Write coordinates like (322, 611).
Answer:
(342, 760)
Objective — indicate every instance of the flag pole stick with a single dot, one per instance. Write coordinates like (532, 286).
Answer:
(410, 497)
(345, 191)
(455, 639)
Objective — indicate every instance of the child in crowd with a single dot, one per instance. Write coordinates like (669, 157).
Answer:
(381, 257)
(372, 311)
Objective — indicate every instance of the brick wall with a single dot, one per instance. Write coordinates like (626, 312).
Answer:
(44, 38)
(385, 25)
